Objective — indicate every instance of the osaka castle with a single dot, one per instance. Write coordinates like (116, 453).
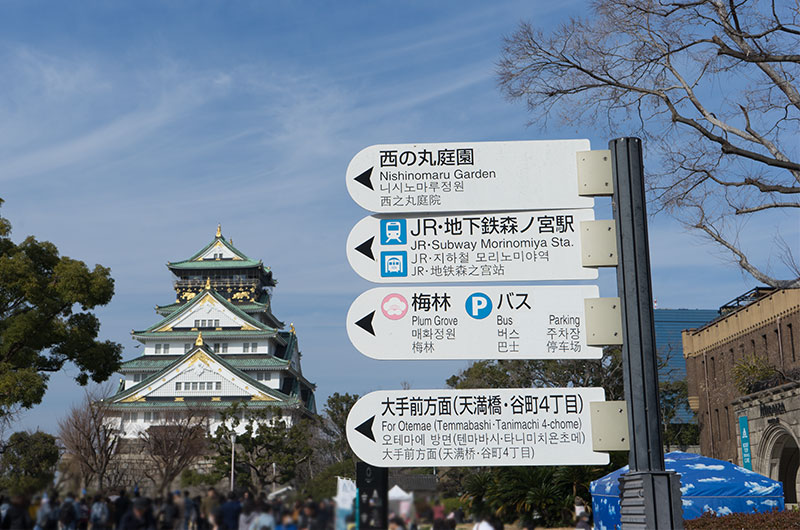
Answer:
(216, 345)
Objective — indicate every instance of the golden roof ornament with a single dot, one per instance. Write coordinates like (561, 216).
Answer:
(219, 230)
(208, 283)
(231, 241)
(291, 326)
(199, 340)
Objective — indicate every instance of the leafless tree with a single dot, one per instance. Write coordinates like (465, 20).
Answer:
(90, 437)
(710, 85)
(172, 445)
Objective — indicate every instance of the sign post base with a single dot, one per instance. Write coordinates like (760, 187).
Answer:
(650, 500)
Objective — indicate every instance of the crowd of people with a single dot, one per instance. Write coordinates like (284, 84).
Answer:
(178, 511)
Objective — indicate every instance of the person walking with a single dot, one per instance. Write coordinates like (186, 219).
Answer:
(230, 511)
(167, 516)
(99, 514)
(138, 517)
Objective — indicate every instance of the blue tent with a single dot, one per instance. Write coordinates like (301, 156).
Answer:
(707, 484)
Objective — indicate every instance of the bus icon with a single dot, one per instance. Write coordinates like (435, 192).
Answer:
(393, 231)
(394, 264)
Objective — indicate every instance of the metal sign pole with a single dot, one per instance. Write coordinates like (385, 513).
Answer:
(649, 495)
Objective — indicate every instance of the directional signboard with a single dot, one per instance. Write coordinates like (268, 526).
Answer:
(473, 176)
(507, 246)
(488, 427)
(446, 322)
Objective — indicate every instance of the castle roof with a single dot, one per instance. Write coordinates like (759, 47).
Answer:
(239, 385)
(220, 254)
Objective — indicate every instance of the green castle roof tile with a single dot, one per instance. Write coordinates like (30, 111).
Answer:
(289, 401)
(207, 334)
(217, 264)
(158, 362)
(155, 376)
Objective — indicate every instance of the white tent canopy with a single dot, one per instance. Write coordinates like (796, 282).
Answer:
(397, 494)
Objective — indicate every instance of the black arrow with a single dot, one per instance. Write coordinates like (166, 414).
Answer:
(366, 248)
(366, 324)
(365, 179)
(366, 428)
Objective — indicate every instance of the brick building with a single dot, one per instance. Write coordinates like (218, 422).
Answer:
(762, 323)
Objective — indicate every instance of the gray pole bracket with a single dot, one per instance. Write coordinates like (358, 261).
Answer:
(594, 173)
(609, 426)
(599, 243)
(603, 321)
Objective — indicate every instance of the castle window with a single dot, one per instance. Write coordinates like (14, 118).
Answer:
(194, 385)
(197, 323)
(727, 423)
(202, 385)
(219, 385)
(224, 347)
(246, 347)
(177, 387)
(216, 322)
(166, 349)
(158, 348)
(254, 347)
(216, 347)
(713, 373)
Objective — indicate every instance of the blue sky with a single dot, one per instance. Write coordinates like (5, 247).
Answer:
(129, 130)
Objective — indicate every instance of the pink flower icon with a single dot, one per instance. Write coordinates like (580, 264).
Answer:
(394, 306)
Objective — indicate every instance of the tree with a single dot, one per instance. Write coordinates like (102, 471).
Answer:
(605, 372)
(334, 425)
(655, 68)
(269, 447)
(90, 437)
(45, 320)
(173, 445)
(28, 463)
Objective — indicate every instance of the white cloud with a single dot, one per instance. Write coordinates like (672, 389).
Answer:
(761, 489)
(713, 467)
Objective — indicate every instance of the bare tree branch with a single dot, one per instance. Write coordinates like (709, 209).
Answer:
(710, 85)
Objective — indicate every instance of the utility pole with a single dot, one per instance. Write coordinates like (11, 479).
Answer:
(233, 457)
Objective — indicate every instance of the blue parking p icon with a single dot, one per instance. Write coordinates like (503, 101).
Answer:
(478, 306)
(394, 264)
(393, 232)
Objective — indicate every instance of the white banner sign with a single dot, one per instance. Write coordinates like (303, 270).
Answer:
(471, 176)
(486, 427)
(486, 322)
(486, 247)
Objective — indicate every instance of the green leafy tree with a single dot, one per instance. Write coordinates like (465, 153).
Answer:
(605, 372)
(752, 370)
(45, 320)
(28, 463)
(269, 449)
(334, 424)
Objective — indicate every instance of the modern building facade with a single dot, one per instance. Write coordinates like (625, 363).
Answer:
(755, 423)
(217, 344)
(669, 325)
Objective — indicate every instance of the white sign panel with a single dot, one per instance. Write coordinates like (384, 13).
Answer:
(486, 427)
(486, 322)
(485, 247)
(447, 177)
